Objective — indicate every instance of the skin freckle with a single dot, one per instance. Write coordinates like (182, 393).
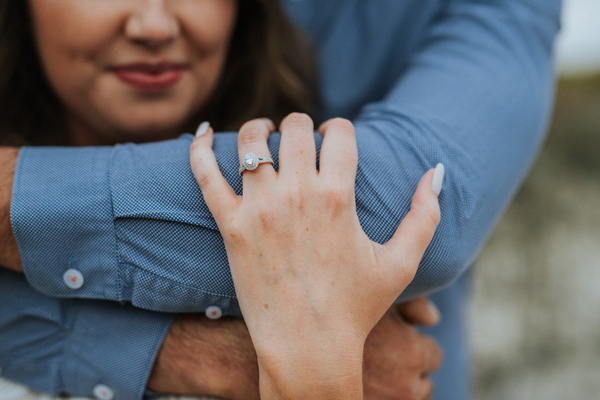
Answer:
(266, 306)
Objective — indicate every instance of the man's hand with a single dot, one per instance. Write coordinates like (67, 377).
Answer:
(397, 358)
(205, 357)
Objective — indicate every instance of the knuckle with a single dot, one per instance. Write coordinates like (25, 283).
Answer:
(250, 135)
(433, 220)
(430, 218)
(434, 215)
(431, 355)
(335, 197)
(195, 145)
(438, 356)
(295, 198)
(204, 180)
(416, 351)
(266, 219)
(429, 390)
(234, 234)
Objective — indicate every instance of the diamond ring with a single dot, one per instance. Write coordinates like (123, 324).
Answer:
(250, 162)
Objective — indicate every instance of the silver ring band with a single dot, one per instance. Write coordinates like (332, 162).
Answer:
(250, 162)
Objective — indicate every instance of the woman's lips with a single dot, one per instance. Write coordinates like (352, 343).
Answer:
(150, 78)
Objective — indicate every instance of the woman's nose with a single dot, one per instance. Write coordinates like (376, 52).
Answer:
(152, 24)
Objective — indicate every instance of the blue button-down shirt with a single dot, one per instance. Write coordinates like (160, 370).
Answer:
(463, 82)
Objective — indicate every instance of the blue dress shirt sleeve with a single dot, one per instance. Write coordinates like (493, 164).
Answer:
(73, 346)
(477, 97)
(475, 94)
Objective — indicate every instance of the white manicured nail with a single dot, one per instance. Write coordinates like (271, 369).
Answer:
(202, 128)
(438, 178)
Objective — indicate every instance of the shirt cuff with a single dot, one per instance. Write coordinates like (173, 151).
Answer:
(125, 223)
(62, 219)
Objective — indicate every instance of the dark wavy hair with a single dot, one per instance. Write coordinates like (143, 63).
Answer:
(270, 72)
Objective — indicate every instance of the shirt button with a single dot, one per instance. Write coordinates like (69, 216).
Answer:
(103, 392)
(73, 279)
(213, 312)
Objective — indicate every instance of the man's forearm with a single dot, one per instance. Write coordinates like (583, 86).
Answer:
(9, 252)
(202, 356)
(131, 232)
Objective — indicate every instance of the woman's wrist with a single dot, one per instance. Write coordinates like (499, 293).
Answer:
(319, 367)
(311, 380)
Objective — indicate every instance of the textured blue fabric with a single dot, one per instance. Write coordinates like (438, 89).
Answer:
(463, 82)
(453, 380)
(69, 346)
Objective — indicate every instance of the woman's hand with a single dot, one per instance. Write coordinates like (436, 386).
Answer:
(310, 283)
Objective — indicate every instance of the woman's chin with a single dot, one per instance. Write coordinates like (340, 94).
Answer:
(147, 133)
(138, 132)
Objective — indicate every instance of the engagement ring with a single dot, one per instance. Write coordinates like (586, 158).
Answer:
(250, 162)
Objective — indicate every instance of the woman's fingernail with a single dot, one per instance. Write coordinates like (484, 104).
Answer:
(202, 128)
(438, 178)
(269, 121)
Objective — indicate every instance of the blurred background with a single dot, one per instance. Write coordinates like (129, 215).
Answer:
(535, 307)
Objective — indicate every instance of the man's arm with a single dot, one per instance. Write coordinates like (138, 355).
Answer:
(9, 251)
(475, 94)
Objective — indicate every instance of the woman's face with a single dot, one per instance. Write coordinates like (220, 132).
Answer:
(132, 70)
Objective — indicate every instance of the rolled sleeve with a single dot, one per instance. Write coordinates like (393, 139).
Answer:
(129, 220)
(62, 218)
